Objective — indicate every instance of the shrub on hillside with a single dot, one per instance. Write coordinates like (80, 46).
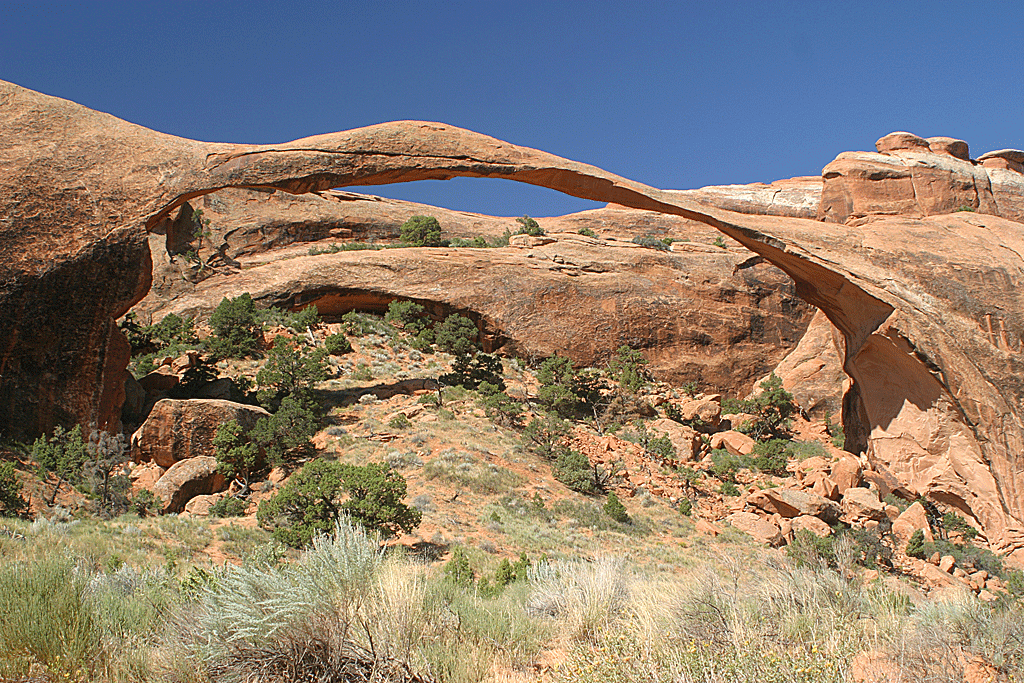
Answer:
(64, 453)
(422, 231)
(614, 508)
(772, 456)
(409, 314)
(287, 433)
(627, 368)
(565, 390)
(290, 371)
(457, 335)
(321, 492)
(337, 345)
(471, 371)
(237, 328)
(528, 226)
(771, 409)
(573, 469)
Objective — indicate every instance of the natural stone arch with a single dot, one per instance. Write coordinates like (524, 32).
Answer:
(79, 188)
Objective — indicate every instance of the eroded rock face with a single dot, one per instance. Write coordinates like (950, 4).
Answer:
(928, 303)
(709, 314)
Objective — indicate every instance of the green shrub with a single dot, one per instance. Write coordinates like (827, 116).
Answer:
(651, 242)
(457, 335)
(586, 232)
(409, 314)
(915, 546)
(145, 503)
(528, 226)
(810, 550)
(312, 501)
(660, 447)
(771, 410)
(399, 421)
(720, 242)
(11, 502)
(63, 454)
(771, 456)
(953, 522)
(471, 371)
(627, 368)
(500, 407)
(287, 433)
(573, 469)
(733, 406)
(458, 570)
(729, 488)
(685, 506)
(614, 508)
(228, 506)
(337, 345)
(237, 328)
(725, 465)
(423, 341)
(237, 457)
(566, 391)
(422, 231)
(289, 371)
(544, 435)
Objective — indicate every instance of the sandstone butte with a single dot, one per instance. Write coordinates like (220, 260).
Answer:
(925, 298)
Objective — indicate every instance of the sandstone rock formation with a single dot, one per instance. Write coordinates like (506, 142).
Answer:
(187, 479)
(181, 429)
(928, 303)
(715, 317)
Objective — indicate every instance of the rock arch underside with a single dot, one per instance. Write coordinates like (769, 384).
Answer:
(926, 298)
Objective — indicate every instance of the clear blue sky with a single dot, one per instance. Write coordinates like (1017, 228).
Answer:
(673, 94)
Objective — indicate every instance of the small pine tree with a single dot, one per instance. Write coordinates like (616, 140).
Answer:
(337, 345)
(614, 508)
(237, 457)
(290, 372)
(64, 454)
(458, 570)
(409, 314)
(573, 469)
(627, 368)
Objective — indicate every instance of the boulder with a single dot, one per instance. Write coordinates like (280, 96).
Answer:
(734, 442)
(187, 479)
(821, 484)
(951, 146)
(685, 439)
(901, 140)
(860, 504)
(794, 503)
(200, 505)
(707, 410)
(163, 379)
(180, 429)
(758, 528)
(910, 520)
(946, 563)
(812, 524)
(846, 473)
(145, 476)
